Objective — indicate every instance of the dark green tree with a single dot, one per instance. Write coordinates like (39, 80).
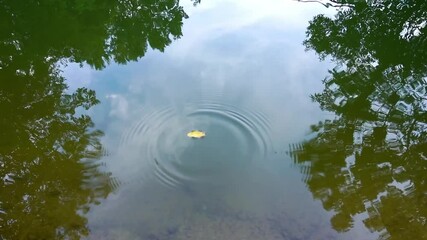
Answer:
(380, 48)
(48, 151)
(353, 170)
(380, 51)
(371, 158)
(94, 32)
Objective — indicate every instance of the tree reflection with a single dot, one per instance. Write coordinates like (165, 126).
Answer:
(49, 171)
(352, 170)
(371, 160)
(94, 32)
(47, 153)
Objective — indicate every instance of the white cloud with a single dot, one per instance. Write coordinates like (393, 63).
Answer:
(119, 106)
(212, 19)
(78, 76)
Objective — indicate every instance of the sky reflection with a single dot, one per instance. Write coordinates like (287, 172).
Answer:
(242, 54)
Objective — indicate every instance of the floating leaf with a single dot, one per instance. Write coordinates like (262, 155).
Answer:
(196, 134)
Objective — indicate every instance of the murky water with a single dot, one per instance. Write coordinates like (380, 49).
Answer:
(236, 70)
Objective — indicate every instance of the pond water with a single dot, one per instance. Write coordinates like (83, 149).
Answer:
(240, 75)
(238, 72)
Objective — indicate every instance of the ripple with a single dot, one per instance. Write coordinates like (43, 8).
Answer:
(254, 124)
(156, 147)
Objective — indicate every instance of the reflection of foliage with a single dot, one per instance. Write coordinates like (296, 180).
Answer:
(195, 2)
(353, 170)
(381, 77)
(48, 168)
(89, 31)
(372, 158)
(47, 154)
(382, 50)
(332, 3)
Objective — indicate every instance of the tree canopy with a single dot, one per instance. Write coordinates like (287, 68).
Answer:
(380, 51)
(371, 157)
(94, 32)
(356, 174)
(49, 152)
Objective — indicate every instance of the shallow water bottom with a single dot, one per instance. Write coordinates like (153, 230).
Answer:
(276, 210)
(202, 226)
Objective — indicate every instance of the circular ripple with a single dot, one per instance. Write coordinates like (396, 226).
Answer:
(234, 139)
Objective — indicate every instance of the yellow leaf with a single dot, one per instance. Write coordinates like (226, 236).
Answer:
(196, 134)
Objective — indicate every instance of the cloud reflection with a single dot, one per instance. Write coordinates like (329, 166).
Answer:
(247, 55)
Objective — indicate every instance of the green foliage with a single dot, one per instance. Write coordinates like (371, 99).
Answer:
(385, 33)
(352, 168)
(380, 51)
(94, 32)
(47, 153)
(378, 91)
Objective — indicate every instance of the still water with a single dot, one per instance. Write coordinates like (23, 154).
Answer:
(242, 77)
(236, 70)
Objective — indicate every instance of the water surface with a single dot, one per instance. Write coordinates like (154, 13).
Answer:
(95, 119)
(243, 77)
